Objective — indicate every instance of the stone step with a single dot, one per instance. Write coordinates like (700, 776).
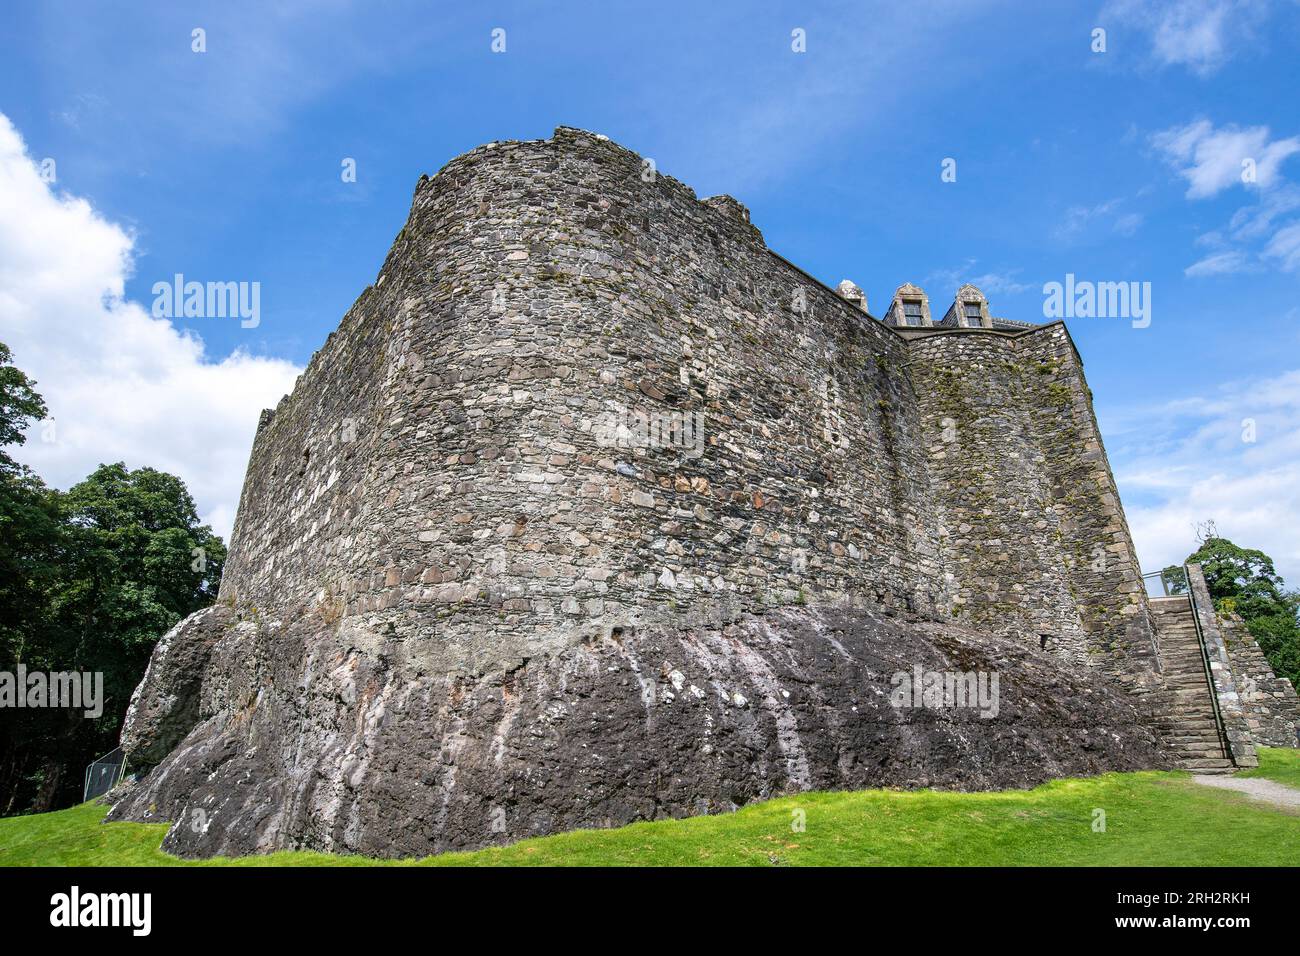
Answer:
(1203, 764)
(1183, 710)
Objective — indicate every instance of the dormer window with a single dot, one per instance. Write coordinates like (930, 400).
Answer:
(910, 308)
(971, 311)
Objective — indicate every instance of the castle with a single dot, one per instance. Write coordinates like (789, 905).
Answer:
(596, 509)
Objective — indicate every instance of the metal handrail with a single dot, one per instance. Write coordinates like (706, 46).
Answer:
(1164, 585)
(1209, 671)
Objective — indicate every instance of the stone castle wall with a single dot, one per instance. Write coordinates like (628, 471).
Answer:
(446, 471)
(1034, 538)
(1270, 703)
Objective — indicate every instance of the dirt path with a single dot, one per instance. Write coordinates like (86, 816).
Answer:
(1257, 788)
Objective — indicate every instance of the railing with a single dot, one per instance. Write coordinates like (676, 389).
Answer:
(1170, 582)
(1209, 671)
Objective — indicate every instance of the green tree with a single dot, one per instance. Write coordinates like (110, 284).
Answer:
(1175, 579)
(19, 406)
(89, 580)
(1243, 581)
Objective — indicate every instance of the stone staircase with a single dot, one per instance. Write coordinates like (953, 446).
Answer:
(1184, 709)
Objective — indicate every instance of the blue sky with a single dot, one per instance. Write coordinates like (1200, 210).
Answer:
(1121, 165)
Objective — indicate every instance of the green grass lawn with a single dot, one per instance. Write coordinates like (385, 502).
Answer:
(1277, 764)
(1151, 819)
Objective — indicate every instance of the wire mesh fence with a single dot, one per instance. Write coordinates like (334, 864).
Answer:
(104, 774)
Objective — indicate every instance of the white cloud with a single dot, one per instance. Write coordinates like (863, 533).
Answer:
(120, 384)
(1188, 461)
(1128, 223)
(1198, 34)
(1219, 263)
(1105, 215)
(1211, 160)
(990, 283)
(1257, 220)
(1285, 247)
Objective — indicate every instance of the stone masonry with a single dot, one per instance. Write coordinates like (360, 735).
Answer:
(443, 466)
(594, 509)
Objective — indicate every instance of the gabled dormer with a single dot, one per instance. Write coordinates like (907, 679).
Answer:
(910, 308)
(969, 310)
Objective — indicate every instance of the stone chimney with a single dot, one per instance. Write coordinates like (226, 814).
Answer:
(850, 293)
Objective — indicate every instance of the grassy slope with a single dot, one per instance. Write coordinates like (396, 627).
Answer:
(1277, 764)
(1152, 819)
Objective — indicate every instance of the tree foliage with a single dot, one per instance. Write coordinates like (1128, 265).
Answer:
(89, 580)
(1243, 581)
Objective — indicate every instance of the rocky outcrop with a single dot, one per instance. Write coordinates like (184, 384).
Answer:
(165, 707)
(315, 735)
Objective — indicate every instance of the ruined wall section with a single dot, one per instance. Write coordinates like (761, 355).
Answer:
(310, 506)
(999, 526)
(1272, 708)
(1034, 537)
(1104, 576)
(539, 292)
